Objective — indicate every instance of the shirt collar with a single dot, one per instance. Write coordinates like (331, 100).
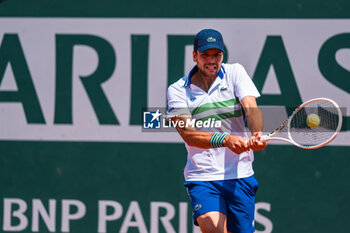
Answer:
(195, 69)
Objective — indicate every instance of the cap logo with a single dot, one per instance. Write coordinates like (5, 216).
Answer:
(211, 39)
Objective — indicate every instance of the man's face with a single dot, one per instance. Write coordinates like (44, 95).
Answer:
(209, 62)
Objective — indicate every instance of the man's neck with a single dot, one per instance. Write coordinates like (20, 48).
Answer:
(202, 81)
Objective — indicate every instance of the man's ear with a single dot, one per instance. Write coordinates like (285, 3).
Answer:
(194, 53)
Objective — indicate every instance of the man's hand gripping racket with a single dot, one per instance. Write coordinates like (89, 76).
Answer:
(313, 124)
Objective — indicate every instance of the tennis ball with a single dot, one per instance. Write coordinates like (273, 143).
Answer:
(313, 120)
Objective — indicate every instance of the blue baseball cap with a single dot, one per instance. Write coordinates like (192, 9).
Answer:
(208, 39)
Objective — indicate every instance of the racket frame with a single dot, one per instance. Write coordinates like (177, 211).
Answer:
(269, 136)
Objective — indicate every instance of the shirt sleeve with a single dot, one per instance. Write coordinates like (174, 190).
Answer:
(243, 84)
(177, 104)
(176, 97)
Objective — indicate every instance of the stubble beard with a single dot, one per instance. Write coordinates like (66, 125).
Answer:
(205, 74)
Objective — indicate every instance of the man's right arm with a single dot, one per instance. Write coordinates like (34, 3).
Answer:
(200, 139)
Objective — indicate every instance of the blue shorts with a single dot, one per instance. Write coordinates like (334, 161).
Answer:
(235, 198)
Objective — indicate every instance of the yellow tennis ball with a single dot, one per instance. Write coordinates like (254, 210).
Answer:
(313, 120)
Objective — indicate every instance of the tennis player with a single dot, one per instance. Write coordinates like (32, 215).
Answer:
(219, 174)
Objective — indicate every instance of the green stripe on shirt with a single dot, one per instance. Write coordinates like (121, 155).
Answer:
(214, 105)
(223, 116)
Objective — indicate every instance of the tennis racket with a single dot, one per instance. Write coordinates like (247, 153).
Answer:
(299, 132)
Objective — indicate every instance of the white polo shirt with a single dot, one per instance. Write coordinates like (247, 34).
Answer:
(221, 102)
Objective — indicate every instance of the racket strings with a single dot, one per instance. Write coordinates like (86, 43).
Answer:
(306, 136)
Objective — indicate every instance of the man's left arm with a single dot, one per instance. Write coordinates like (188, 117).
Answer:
(254, 121)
